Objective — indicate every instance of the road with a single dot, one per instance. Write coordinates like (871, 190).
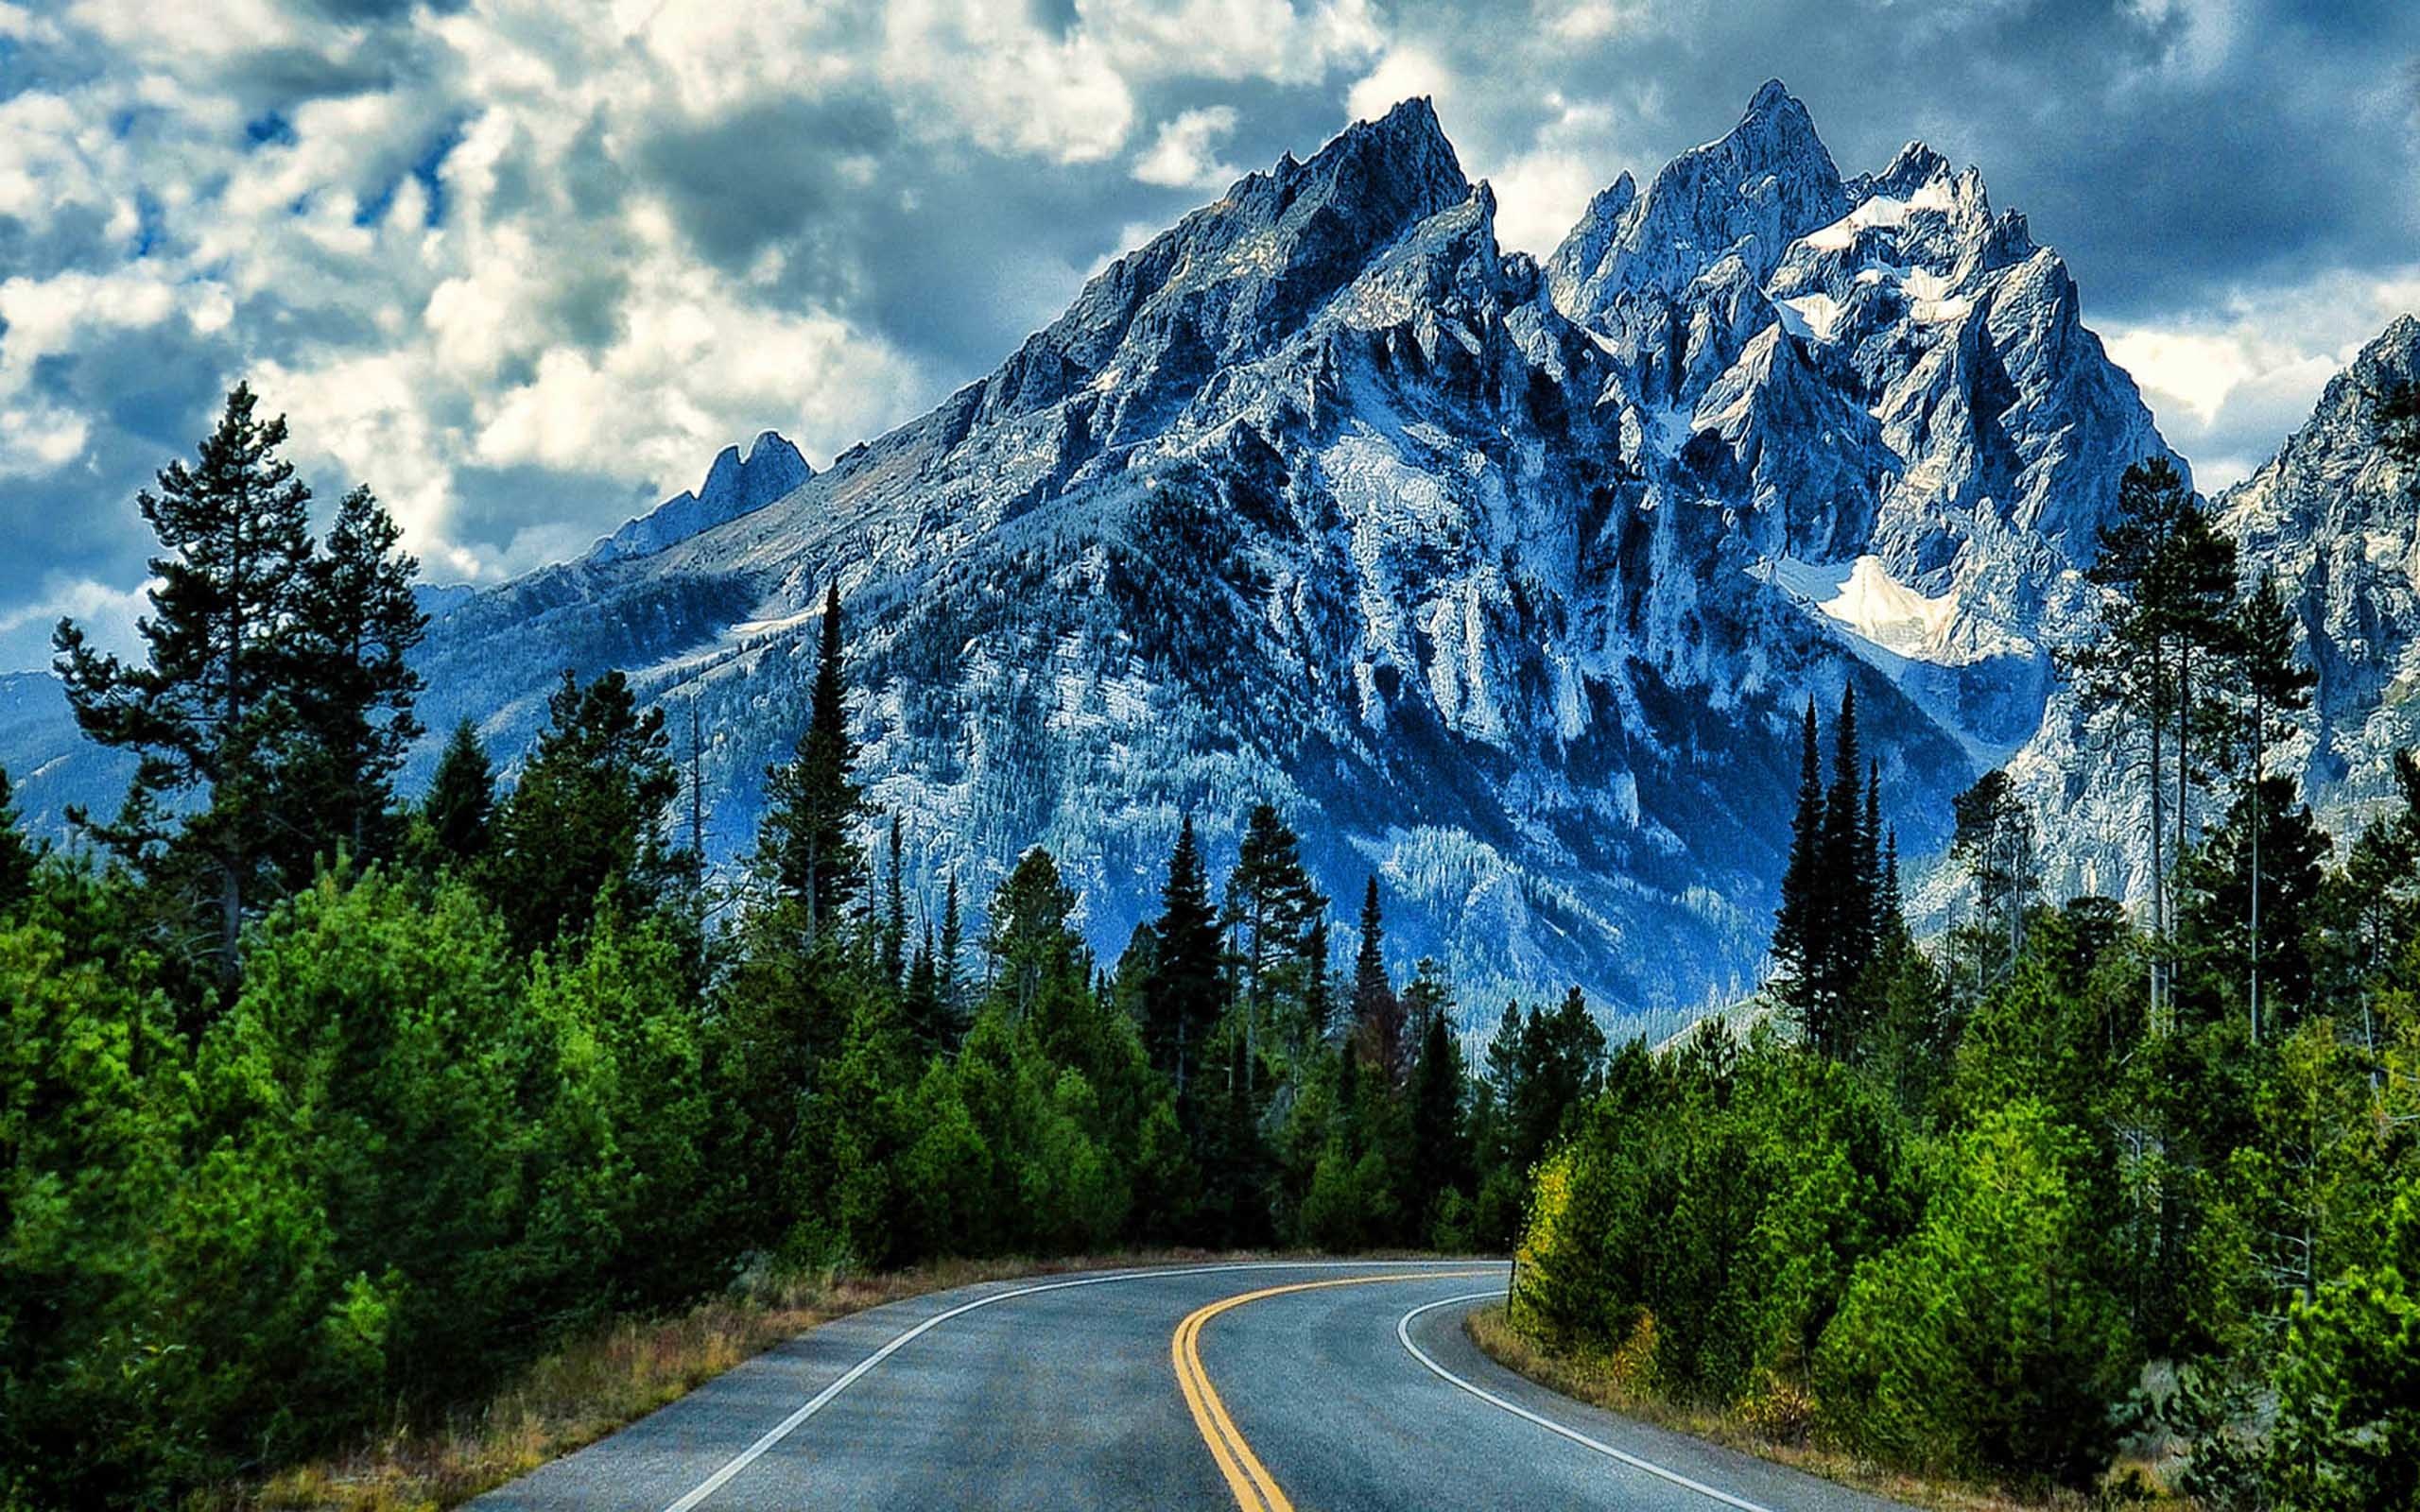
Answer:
(1282, 1387)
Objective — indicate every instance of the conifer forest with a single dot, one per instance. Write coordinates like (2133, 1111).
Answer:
(326, 1104)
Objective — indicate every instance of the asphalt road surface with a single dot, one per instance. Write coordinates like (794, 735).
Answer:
(1273, 1387)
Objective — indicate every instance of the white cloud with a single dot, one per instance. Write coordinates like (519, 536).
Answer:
(2202, 34)
(1012, 85)
(1591, 20)
(1186, 155)
(1542, 189)
(408, 259)
(1401, 74)
(106, 614)
(37, 439)
(1274, 39)
(2227, 387)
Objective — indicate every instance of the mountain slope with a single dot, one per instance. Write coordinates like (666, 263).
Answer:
(1506, 582)
(1319, 497)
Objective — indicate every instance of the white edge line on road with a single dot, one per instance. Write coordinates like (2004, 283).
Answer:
(1403, 1332)
(788, 1425)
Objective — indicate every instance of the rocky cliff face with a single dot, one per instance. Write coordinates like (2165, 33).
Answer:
(1504, 581)
(2339, 521)
(733, 486)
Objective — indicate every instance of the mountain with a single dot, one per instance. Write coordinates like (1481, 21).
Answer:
(732, 487)
(1506, 581)
(2338, 522)
(49, 762)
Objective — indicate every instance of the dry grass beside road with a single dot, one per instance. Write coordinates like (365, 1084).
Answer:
(1777, 1428)
(595, 1384)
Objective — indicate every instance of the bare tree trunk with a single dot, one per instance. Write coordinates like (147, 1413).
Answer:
(231, 922)
(2159, 874)
(2259, 742)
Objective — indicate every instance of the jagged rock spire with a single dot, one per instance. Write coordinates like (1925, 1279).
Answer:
(1750, 192)
(735, 486)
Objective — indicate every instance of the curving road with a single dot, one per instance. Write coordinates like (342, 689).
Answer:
(1279, 1386)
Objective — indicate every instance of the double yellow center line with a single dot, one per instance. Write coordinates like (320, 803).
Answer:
(1254, 1488)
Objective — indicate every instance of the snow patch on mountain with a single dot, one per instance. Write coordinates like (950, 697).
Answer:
(1862, 595)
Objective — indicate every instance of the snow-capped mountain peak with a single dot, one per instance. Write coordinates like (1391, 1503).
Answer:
(1504, 582)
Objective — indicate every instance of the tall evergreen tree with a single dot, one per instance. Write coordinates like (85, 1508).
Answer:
(1440, 1154)
(2199, 590)
(952, 950)
(1319, 993)
(1798, 929)
(1028, 938)
(921, 1000)
(895, 914)
(1186, 995)
(1993, 835)
(1563, 1060)
(2166, 628)
(461, 803)
(210, 706)
(1378, 1013)
(588, 813)
(17, 853)
(2275, 683)
(1271, 906)
(354, 623)
(808, 845)
(1846, 881)
(2214, 887)
(2127, 668)
(1505, 1064)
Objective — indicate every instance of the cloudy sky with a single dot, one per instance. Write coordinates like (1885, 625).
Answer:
(525, 265)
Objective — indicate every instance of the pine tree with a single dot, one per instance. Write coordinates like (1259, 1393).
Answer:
(1271, 906)
(588, 814)
(2199, 587)
(1845, 882)
(461, 803)
(18, 855)
(1186, 995)
(2216, 884)
(1505, 1067)
(1870, 880)
(808, 845)
(1318, 996)
(1029, 936)
(211, 707)
(1440, 1154)
(354, 623)
(2277, 684)
(946, 965)
(1378, 1013)
(894, 915)
(1562, 1058)
(1798, 933)
(921, 1000)
(1993, 835)
(2166, 630)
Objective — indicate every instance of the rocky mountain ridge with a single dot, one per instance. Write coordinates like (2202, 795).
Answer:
(1506, 581)
(735, 486)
